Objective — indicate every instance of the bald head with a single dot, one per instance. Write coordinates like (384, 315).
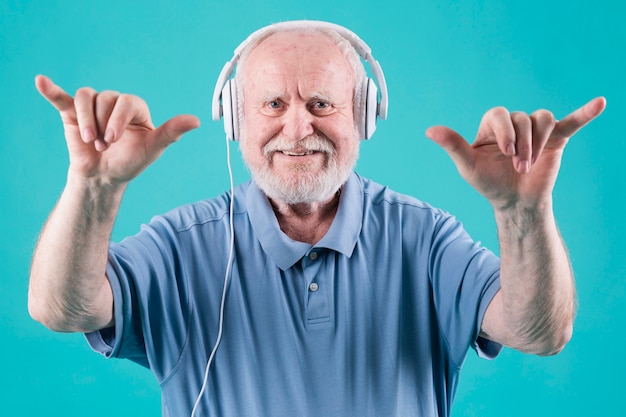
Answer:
(287, 41)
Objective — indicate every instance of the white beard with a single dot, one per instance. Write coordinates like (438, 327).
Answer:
(303, 187)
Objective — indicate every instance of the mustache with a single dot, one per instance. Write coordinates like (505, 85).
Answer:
(312, 143)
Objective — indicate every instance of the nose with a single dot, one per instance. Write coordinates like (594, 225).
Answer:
(298, 122)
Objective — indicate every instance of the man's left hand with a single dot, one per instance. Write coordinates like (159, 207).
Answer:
(515, 158)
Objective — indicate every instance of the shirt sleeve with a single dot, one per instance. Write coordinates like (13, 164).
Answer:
(465, 277)
(150, 299)
(124, 339)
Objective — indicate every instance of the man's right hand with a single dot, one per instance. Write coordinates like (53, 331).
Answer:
(110, 136)
(111, 139)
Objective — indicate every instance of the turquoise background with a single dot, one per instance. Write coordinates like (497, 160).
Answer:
(446, 63)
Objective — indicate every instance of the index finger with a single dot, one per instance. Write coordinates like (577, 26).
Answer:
(577, 119)
(53, 93)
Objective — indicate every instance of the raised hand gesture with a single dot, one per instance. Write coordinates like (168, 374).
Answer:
(515, 158)
(514, 163)
(110, 136)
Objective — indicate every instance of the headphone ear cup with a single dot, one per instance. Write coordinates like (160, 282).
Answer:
(234, 101)
(370, 97)
(360, 104)
(227, 110)
(230, 110)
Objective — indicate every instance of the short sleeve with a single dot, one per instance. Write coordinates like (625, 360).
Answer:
(124, 339)
(150, 294)
(465, 278)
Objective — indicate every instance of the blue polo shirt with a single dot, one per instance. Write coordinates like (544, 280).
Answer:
(376, 319)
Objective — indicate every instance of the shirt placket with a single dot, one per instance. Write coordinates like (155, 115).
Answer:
(316, 291)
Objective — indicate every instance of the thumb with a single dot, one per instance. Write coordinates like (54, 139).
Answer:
(172, 130)
(54, 94)
(455, 146)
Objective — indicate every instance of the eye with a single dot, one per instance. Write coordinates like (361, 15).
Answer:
(274, 104)
(321, 107)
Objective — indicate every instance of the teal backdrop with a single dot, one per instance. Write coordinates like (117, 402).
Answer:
(446, 62)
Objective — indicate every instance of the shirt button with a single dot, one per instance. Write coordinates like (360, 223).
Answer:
(313, 256)
(313, 287)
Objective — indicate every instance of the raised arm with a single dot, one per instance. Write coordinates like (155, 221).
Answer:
(514, 163)
(111, 139)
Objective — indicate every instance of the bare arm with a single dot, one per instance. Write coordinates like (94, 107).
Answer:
(534, 311)
(110, 139)
(514, 163)
(68, 287)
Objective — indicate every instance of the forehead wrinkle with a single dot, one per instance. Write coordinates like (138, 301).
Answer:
(280, 68)
(305, 88)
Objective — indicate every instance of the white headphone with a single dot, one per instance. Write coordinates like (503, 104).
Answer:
(367, 110)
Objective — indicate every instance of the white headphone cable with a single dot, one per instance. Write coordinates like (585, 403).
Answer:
(231, 210)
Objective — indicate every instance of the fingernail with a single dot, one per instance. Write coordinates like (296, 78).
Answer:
(88, 135)
(523, 167)
(100, 145)
(109, 135)
(510, 150)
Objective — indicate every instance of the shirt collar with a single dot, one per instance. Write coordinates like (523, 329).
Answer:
(285, 252)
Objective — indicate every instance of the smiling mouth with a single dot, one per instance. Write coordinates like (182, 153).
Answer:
(297, 153)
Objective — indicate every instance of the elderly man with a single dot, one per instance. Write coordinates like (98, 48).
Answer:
(345, 298)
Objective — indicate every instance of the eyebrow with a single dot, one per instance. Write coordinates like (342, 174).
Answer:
(323, 97)
(285, 97)
(270, 96)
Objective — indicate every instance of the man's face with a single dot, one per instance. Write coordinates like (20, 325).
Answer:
(299, 139)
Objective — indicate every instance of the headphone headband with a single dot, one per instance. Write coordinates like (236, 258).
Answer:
(360, 47)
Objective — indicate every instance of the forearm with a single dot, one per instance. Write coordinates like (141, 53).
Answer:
(537, 288)
(68, 286)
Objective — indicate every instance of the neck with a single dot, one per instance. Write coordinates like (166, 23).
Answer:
(306, 222)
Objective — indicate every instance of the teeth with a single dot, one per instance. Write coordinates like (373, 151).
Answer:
(289, 153)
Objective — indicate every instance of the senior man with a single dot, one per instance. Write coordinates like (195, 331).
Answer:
(344, 298)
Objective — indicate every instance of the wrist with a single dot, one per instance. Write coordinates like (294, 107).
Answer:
(99, 200)
(521, 219)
